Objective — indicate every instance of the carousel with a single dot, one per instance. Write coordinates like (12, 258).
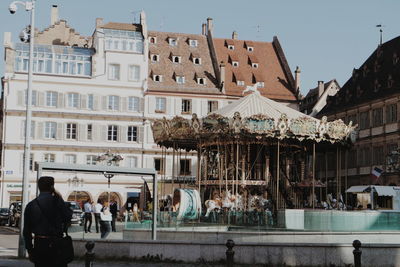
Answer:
(255, 155)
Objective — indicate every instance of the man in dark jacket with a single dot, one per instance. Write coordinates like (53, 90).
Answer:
(46, 218)
(114, 213)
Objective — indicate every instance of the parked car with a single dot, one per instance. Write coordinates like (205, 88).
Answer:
(77, 212)
(4, 216)
(14, 214)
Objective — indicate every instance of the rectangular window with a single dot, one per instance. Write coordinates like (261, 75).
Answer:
(91, 160)
(161, 104)
(71, 131)
(159, 166)
(50, 130)
(364, 120)
(32, 128)
(34, 98)
(73, 100)
(193, 43)
(180, 79)
(391, 113)
(212, 106)
(90, 102)
(113, 72)
(132, 133)
(184, 168)
(352, 159)
(377, 115)
(172, 42)
(131, 162)
(31, 162)
(377, 153)
(186, 106)
(134, 73)
(89, 132)
(51, 99)
(133, 104)
(112, 133)
(113, 102)
(70, 159)
(49, 157)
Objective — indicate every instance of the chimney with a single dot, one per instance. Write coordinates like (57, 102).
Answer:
(321, 88)
(210, 26)
(234, 35)
(297, 78)
(204, 29)
(222, 75)
(7, 39)
(54, 14)
(99, 22)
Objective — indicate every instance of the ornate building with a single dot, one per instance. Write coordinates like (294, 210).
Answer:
(370, 98)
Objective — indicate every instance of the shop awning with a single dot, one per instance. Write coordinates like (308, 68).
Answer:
(385, 191)
(357, 189)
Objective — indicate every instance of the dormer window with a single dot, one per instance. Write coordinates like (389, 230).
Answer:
(176, 59)
(201, 81)
(197, 61)
(157, 78)
(390, 81)
(235, 63)
(193, 43)
(260, 84)
(395, 59)
(250, 48)
(152, 40)
(254, 65)
(172, 41)
(180, 79)
(231, 47)
(155, 58)
(240, 83)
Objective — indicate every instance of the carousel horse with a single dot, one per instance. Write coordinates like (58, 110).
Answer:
(228, 201)
(238, 203)
(253, 202)
(212, 204)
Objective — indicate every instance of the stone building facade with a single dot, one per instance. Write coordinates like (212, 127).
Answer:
(97, 93)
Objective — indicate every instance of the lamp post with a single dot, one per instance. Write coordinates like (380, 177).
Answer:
(29, 6)
(75, 182)
(110, 159)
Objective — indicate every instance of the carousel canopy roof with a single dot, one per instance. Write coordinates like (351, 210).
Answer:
(255, 103)
(253, 118)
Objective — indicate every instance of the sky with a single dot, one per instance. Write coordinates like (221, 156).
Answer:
(326, 39)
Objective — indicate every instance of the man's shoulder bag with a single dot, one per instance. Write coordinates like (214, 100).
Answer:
(64, 246)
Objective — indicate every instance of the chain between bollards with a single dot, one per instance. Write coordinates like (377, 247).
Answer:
(357, 253)
(229, 252)
(89, 255)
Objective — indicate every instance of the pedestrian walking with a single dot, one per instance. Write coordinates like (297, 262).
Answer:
(46, 218)
(105, 220)
(114, 214)
(88, 215)
(96, 211)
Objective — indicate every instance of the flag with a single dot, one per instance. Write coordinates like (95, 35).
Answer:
(377, 172)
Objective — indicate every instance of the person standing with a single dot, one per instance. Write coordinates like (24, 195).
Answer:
(47, 217)
(88, 215)
(105, 221)
(114, 213)
(136, 213)
(96, 211)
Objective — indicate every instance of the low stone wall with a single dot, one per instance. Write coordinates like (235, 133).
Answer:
(290, 254)
(213, 235)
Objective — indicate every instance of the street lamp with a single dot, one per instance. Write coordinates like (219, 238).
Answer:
(75, 182)
(29, 6)
(110, 159)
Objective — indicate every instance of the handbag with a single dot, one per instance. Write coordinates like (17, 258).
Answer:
(64, 245)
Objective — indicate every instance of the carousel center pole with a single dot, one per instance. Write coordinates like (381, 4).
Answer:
(237, 166)
(277, 175)
(313, 179)
(337, 177)
(173, 169)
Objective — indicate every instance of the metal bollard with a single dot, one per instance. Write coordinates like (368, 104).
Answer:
(89, 255)
(229, 252)
(357, 253)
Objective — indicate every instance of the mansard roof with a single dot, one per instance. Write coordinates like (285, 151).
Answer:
(272, 65)
(186, 67)
(377, 77)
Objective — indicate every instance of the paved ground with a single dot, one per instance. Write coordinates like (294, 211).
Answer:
(8, 241)
(26, 263)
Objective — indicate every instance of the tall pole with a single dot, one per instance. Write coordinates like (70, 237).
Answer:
(313, 178)
(277, 176)
(27, 146)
